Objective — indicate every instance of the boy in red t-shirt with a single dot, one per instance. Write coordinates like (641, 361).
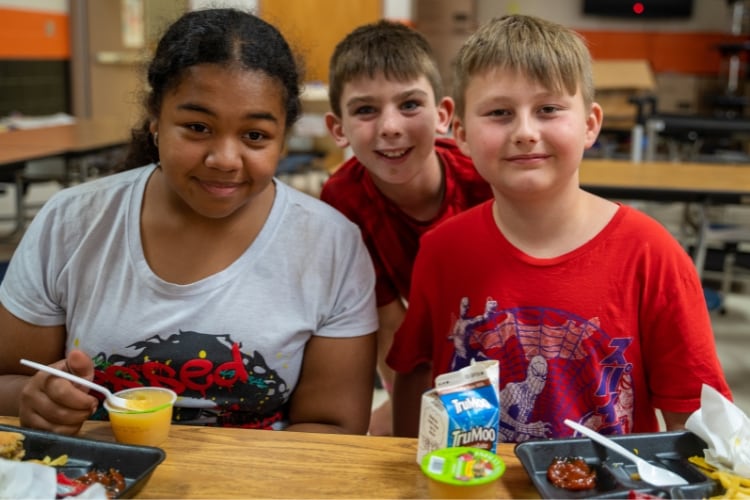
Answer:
(387, 105)
(593, 310)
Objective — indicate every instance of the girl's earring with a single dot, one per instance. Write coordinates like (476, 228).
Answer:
(156, 139)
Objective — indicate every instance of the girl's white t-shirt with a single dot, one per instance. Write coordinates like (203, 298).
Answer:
(231, 344)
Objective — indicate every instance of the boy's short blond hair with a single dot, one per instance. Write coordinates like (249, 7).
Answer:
(384, 47)
(546, 52)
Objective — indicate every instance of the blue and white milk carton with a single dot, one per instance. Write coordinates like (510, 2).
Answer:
(462, 410)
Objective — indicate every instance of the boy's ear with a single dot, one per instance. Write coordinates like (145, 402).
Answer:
(459, 135)
(593, 124)
(333, 123)
(445, 110)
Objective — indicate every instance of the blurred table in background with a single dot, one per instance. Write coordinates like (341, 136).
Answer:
(700, 184)
(75, 144)
(666, 181)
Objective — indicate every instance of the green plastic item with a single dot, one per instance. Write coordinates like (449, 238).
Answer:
(463, 466)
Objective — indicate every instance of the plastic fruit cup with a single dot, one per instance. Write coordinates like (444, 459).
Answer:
(462, 472)
(148, 424)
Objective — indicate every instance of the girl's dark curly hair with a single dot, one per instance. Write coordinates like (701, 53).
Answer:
(214, 36)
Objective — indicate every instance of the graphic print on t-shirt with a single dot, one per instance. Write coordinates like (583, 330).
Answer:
(584, 370)
(215, 381)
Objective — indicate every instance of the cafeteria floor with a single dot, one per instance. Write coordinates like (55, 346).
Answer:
(731, 326)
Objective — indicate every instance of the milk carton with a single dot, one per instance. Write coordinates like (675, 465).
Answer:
(462, 410)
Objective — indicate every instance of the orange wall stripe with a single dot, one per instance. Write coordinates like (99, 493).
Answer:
(692, 53)
(34, 35)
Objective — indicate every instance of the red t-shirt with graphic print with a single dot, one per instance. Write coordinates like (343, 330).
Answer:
(601, 335)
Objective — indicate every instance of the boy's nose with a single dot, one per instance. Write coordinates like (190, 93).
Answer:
(390, 123)
(526, 130)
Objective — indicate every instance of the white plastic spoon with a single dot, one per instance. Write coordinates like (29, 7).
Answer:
(113, 400)
(648, 472)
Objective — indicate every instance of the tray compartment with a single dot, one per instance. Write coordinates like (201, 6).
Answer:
(135, 463)
(617, 476)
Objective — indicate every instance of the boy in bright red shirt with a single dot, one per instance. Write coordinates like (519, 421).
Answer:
(593, 310)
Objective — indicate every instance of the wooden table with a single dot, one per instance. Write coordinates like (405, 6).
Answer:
(82, 136)
(71, 142)
(209, 462)
(665, 181)
(19, 154)
(704, 184)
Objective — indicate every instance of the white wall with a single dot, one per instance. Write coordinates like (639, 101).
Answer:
(250, 5)
(397, 9)
(708, 15)
(44, 5)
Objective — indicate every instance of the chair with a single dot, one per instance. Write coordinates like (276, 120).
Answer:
(302, 171)
(62, 170)
(17, 184)
(726, 236)
(730, 238)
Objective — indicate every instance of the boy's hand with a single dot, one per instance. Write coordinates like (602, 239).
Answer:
(55, 404)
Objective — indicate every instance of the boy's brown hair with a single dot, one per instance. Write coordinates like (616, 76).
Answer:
(546, 52)
(384, 47)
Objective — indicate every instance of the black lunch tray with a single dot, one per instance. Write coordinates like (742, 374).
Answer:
(135, 463)
(615, 474)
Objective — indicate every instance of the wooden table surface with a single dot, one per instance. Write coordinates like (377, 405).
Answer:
(81, 137)
(209, 462)
(11, 154)
(720, 183)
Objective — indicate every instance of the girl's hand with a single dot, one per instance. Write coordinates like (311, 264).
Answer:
(55, 404)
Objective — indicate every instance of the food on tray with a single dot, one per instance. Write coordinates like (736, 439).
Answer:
(133, 465)
(11, 445)
(613, 474)
(34, 479)
(27, 476)
(571, 473)
(112, 481)
(53, 462)
(735, 486)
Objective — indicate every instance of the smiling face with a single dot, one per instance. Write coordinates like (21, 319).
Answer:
(525, 140)
(391, 126)
(221, 134)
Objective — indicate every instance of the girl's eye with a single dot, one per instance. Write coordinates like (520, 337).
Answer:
(256, 136)
(197, 127)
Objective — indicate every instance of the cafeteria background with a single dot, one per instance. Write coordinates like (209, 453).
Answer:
(685, 61)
